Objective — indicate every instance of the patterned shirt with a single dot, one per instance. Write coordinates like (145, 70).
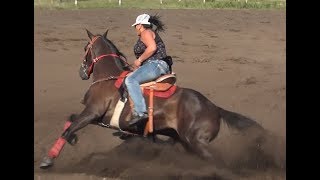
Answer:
(160, 53)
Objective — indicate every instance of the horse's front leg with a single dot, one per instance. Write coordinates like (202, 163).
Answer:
(87, 116)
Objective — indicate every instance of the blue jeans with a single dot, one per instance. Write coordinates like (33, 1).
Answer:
(149, 71)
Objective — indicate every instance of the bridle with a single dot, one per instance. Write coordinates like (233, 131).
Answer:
(95, 59)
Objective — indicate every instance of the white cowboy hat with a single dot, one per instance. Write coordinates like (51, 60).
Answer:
(142, 19)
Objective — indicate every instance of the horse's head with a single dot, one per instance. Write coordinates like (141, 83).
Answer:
(98, 48)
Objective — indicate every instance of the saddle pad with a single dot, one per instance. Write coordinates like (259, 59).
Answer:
(116, 114)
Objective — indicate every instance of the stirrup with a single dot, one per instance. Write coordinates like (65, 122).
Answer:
(138, 119)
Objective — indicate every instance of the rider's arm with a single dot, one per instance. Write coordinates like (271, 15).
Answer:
(147, 37)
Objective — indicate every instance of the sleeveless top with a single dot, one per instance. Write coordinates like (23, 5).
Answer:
(160, 53)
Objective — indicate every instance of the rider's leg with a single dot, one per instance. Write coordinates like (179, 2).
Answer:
(149, 71)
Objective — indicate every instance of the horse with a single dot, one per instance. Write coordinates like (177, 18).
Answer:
(183, 114)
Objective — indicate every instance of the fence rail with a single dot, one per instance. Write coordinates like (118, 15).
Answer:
(163, 3)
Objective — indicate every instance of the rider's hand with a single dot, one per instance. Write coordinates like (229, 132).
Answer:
(137, 63)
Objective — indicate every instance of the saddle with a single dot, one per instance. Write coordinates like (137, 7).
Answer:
(163, 83)
(163, 87)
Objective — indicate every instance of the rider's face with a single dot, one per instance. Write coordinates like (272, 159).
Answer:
(138, 27)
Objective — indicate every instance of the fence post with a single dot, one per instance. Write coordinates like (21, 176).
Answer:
(119, 2)
(76, 2)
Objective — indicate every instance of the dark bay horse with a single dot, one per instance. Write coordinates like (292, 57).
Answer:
(187, 115)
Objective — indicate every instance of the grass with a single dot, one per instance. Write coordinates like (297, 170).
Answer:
(166, 4)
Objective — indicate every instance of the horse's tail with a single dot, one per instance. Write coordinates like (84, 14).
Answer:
(238, 121)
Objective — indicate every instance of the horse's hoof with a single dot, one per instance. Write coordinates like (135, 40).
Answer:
(125, 136)
(73, 139)
(118, 133)
(46, 162)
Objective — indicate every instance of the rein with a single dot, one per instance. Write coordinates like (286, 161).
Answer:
(95, 60)
(105, 79)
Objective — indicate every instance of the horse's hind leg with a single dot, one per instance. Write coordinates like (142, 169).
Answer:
(199, 137)
(199, 144)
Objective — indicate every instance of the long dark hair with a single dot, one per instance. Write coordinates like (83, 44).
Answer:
(156, 24)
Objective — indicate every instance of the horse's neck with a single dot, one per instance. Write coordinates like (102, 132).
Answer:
(107, 68)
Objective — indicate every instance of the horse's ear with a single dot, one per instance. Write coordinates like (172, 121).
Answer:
(105, 34)
(90, 35)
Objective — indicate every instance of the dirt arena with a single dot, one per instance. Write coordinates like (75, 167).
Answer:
(234, 57)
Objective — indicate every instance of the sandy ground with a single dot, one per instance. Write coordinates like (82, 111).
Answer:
(234, 57)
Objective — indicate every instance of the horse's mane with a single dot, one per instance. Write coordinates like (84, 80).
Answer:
(116, 50)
